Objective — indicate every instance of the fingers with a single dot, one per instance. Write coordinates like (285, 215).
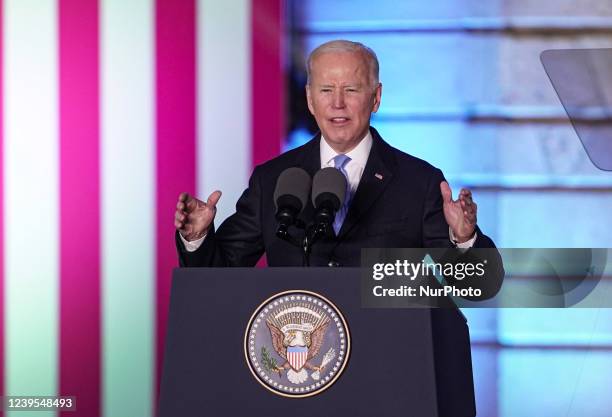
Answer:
(183, 197)
(470, 215)
(447, 193)
(465, 195)
(180, 215)
(187, 203)
(469, 207)
(184, 200)
(179, 219)
(213, 199)
(187, 206)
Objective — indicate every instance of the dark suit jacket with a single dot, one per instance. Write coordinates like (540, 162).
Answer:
(397, 204)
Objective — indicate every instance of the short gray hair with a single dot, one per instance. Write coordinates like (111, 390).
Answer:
(342, 45)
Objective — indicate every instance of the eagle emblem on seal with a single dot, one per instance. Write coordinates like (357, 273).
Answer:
(297, 335)
(297, 343)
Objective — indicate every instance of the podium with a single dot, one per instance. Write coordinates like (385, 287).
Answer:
(402, 362)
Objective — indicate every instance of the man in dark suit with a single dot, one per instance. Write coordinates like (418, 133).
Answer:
(396, 200)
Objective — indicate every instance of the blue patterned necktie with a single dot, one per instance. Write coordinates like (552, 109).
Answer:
(340, 162)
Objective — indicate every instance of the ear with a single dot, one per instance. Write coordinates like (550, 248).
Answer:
(309, 99)
(377, 98)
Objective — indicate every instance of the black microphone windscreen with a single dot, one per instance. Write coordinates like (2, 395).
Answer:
(293, 188)
(328, 184)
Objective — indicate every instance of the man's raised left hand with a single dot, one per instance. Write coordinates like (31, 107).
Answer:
(460, 214)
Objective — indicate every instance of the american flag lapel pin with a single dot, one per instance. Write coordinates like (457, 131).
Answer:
(379, 176)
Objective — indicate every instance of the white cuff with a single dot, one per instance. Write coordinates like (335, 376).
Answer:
(464, 245)
(193, 245)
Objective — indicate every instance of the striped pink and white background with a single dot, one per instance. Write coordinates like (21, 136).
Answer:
(109, 109)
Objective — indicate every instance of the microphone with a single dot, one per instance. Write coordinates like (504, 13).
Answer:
(328, 193)
(290, 196)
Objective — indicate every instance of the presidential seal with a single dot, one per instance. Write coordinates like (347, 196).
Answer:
(297, 344)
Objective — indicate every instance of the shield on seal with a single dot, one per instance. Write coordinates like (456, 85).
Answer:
(296, 356)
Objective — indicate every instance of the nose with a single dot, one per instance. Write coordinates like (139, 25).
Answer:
(338, 102)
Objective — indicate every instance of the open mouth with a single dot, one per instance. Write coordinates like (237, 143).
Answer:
(339, 121)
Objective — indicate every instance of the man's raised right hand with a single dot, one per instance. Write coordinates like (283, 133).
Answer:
(193, 217)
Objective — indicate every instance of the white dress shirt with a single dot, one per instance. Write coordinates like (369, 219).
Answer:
(354, 168)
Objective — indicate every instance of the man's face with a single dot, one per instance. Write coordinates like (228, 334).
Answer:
(341, 98)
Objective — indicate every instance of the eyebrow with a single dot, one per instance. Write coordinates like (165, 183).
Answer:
(356, 85)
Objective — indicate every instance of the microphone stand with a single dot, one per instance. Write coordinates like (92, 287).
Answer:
(282, 232)
(314, 232)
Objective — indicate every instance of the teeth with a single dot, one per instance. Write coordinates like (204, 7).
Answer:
(339, 119)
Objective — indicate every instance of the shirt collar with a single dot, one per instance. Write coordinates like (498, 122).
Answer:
(359, 154)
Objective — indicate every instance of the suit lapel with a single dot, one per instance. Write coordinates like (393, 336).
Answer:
(310, 159)
(311, 163)
(376, 176)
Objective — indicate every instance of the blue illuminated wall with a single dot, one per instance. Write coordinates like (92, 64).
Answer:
(463, 88)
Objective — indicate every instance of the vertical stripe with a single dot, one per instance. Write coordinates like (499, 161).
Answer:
(175, 42)
(224, 101)
(267, 79)
(31, 197)
(79, 205)
(2, 300)
(128, 202)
